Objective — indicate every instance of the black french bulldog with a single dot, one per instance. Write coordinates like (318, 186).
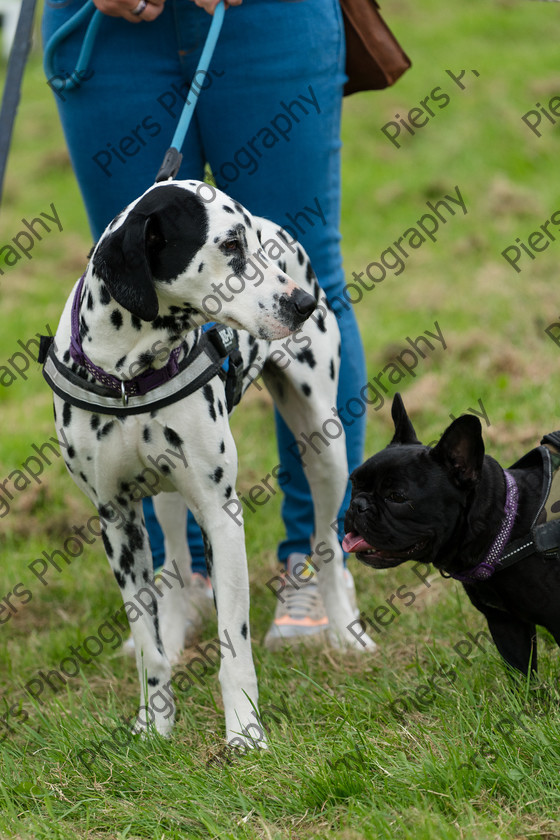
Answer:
(455, 507)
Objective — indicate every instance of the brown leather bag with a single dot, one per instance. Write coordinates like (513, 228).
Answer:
(374, 58)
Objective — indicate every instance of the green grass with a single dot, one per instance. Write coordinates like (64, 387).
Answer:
(475, 757)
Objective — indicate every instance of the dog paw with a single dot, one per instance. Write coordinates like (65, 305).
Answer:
(156, 726)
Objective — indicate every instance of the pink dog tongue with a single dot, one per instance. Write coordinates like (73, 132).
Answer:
(352, 542)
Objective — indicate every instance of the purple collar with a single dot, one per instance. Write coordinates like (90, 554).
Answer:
(487, 567)
(139, 385)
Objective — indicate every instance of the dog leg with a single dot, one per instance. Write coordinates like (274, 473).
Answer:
(205, 490)
(176, 607)
(515, 639)
(127, 547)
(324, 461)
(226, 560)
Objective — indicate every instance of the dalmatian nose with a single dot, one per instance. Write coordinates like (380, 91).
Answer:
(305, 304)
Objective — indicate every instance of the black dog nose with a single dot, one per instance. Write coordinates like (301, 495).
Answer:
(359, 504)
(304, 303)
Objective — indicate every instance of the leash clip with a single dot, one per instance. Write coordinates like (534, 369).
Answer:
(124, 394)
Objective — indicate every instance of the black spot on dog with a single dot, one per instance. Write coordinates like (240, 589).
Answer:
(95, 421)
(145, 575)
(89, 302)
(104, 430)
(208, 553)
(147, 434)
(280, 278)
(135, 536)
(247, 220)
(220, 408)
(84, 478)
(208, 394)
(121, 500)
(172, 437)
(259, 236)
(227, 209)
(309, 273)
(300, 256)
(84, 329)
(331, 369)
(66, 414)
(217, 475)
(339, 350)
(66, 356)
(222, 447)
(70, 451)
(120, 362)
(156, 627)
(153, 681)
(120, 578)
(307, 357)
(106, 541)
(216, 239)
(227, 491)
(306, 389)
(200, 267)
(244, 631)
(124, 487)
(136, 322)
(320, 321)
(145, 359)
(116, 319)
(104, 295)
(126, 560)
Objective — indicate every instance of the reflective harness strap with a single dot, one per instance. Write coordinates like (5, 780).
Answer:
(207, 359)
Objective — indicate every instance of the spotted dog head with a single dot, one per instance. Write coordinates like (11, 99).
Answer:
(187, 246)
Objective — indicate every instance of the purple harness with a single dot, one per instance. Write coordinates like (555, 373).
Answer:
(215, 353)
(139, 385)
(488, 566)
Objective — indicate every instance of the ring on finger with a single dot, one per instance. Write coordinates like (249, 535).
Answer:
(139, 8)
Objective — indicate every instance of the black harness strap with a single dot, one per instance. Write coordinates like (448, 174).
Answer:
(543, 538)
(215, 354)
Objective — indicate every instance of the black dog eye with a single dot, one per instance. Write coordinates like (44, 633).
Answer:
(230, 245)
(399, 498)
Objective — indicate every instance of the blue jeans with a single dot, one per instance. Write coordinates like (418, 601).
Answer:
(267, 121)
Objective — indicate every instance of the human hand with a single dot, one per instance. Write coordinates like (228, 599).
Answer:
(210, 5)
(124, 8)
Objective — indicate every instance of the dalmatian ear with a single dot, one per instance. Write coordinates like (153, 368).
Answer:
(123, 260)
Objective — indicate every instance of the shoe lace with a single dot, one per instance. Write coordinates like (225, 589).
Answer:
(304, 601)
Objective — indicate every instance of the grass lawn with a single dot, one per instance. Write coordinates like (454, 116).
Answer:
(426, 738)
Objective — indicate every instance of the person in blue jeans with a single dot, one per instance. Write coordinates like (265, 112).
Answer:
(267, 122)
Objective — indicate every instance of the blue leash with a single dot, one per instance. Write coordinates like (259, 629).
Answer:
(173, 156)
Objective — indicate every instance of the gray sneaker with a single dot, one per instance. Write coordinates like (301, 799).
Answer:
(301, 616)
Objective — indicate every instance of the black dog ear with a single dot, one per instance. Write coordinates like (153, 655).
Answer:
(121, 260)
(404, 430)
(461, 450)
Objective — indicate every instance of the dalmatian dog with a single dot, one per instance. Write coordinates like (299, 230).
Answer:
(151, 282)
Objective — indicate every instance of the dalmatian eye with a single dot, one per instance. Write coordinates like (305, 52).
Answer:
(230, 245)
